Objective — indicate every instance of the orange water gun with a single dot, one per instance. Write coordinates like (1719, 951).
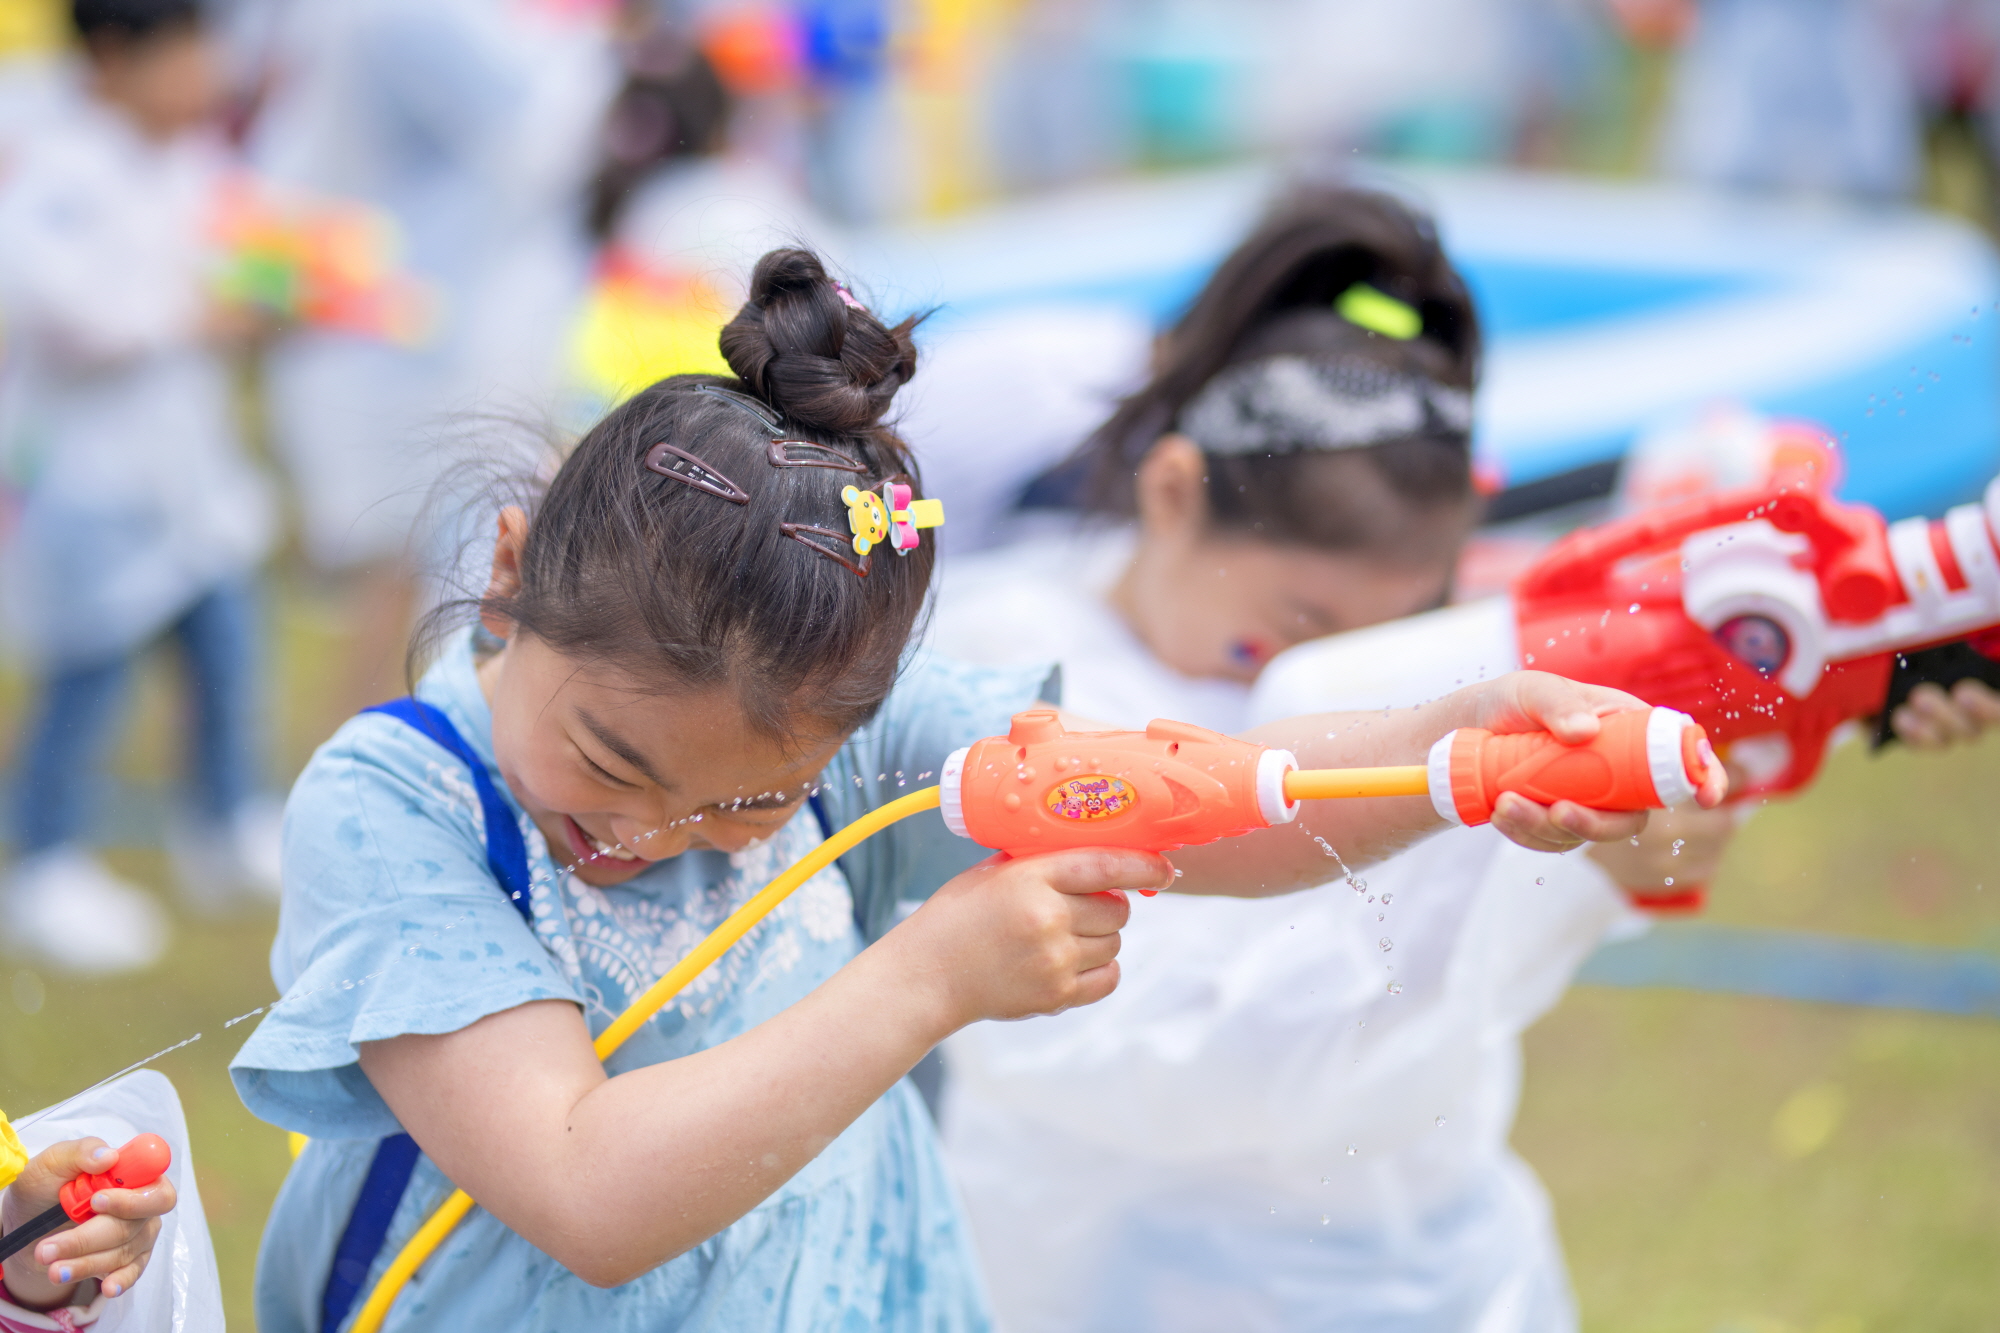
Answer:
(1042, 788)
(332, 264)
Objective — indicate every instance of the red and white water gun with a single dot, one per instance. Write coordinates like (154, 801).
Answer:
(1772, 616)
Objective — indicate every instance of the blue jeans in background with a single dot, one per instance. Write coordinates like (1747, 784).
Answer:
(70, 741)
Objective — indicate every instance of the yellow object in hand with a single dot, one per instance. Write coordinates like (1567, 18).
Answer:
(13, 1157)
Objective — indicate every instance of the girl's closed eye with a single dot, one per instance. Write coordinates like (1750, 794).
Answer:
(603, 774)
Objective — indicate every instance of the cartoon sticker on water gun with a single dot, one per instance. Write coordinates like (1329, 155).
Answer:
(1092, 797)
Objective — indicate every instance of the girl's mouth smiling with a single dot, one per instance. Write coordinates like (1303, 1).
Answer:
(589, 851)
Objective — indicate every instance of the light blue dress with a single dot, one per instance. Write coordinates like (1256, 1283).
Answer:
(393, 924)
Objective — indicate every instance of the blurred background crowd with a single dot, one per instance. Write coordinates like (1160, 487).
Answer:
(420, 240)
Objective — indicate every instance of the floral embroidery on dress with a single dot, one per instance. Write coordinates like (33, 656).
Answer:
(614, 943)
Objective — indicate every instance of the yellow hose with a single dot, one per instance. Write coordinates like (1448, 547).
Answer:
(1328, 784)
(440, 1223)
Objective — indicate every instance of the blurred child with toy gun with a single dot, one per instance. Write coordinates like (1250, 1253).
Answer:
(1773, 616)
(330, 263)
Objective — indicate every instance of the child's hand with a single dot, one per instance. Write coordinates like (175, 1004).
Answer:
(112, 1247)
(1931, 719)
(1537, 701)
(1032, 935)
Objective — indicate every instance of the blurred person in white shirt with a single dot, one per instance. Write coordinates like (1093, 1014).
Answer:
(472, 125)
(140, 519)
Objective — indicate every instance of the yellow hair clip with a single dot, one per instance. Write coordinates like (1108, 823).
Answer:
(891, 516)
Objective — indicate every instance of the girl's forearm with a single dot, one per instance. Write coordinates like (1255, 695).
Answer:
(614, 1176)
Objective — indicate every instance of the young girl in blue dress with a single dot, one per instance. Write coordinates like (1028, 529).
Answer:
(681, 644)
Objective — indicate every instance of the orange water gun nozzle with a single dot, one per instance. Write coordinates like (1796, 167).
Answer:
(1041, 788)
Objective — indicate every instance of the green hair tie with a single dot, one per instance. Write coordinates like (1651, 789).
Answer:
(1379, 312)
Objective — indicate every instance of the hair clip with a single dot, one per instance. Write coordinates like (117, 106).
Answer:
(890, 516)
(835, 546)
(906, 516)
(700, 475)
(847, 297)
(746, 403)
(804, 453)
(1378, 312)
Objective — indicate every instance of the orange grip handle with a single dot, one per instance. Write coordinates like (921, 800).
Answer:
(140, 1163)
(1642, 759)
(1040, 788)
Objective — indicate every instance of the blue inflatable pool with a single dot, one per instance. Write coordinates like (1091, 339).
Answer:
(1611, 307)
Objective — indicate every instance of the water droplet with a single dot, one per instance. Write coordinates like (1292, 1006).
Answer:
(1395, 988)
(1632, 610)
(1670, 881)
(1380, 917)
(1678, 844)
(1387, 944)
(1388, 898)
(1324, 1219)
(1352, 1150)
(1440, 1122)
(1324, 1181)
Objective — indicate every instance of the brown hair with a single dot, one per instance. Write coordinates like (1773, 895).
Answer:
(687, 590)
(1274, 296)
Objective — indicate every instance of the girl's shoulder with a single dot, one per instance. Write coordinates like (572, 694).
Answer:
(388, 795)
(375, 756)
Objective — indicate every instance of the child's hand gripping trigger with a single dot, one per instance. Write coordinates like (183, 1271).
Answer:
(141, 1162)
(1041, 788)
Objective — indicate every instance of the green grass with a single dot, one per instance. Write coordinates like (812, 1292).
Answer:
(1687, 1201)
(86, 1030)
(1651, 1114)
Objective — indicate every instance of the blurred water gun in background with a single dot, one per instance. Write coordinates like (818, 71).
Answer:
(329, 263)
(1773, 615)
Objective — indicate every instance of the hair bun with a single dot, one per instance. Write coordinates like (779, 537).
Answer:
(824, 364)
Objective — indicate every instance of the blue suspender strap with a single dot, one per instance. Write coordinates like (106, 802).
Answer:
(396, 1156)
(367, 1227)
(506, 853)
